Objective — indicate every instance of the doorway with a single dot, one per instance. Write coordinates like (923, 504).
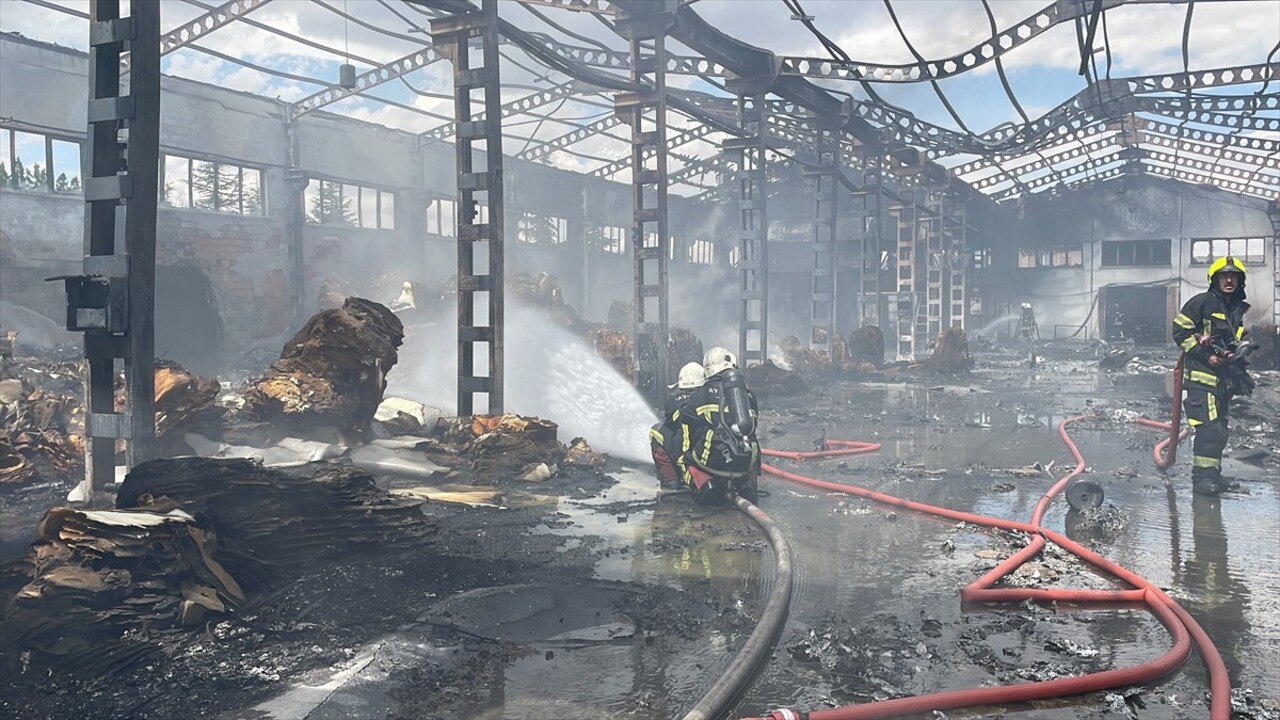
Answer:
(1139, 313)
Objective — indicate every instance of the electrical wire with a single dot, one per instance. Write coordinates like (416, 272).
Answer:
(541, 121)
(415, 27)
(1186, 68)
(275, 31)
(538, 14)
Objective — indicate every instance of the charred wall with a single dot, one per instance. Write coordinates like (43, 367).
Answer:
(1086, 234)
(249, 259)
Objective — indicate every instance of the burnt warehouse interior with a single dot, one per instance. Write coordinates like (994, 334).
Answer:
(700, 359)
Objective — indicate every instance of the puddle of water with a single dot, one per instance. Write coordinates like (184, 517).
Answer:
(854, 560)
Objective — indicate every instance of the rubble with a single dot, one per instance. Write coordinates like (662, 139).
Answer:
(503, 446)
(618, 349)
(950, 352)
(332, 373)
(580, 454)
(542, 291)
(41, 421)
(768, 380)
(683, 347)
(269, 521)
(866, 345)
(92, 576)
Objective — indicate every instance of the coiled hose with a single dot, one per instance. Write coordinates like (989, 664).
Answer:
(1180, 624)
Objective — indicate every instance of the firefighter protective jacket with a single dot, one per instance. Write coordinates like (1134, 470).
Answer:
(1211, 315)
(706, 442)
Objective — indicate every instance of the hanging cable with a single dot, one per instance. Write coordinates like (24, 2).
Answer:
(1008, 90)
(1186, 68)
(538, 14)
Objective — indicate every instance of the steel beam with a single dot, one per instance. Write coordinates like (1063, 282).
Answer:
(647, 113)
(681, 138)
(381, 74)
(1237, 176)
(113, 302)
(620, 60)
(976, 56)
(515, 107)
(192, 30)
(1200, 179)
(753, 230)
(451, 35)
(1089, 166)
(543, 149)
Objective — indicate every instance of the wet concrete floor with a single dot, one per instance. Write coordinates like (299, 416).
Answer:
(884, 585)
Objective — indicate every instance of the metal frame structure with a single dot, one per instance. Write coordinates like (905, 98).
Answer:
(1095, 107)
(452, 36)
(826, 189)
(113, 302)
(646, 111)
(752, 180)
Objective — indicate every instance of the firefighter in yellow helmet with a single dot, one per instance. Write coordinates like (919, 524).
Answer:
(720, 456)
(1210, 330)
(665, 438)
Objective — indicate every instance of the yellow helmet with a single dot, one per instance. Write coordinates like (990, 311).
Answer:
(1228, 264)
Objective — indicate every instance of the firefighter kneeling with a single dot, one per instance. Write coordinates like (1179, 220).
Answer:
(1210, 330)
(719, 454)
(666, 438)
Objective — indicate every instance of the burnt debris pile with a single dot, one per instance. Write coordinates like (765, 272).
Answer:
(41, 419)
(190, 539)
(331, 373)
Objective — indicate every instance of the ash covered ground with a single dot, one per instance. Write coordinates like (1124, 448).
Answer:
(593, 594)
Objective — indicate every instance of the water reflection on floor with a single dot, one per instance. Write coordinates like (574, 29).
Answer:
(948, 444)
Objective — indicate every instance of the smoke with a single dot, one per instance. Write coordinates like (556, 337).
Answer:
(35, 331)
(549, 373)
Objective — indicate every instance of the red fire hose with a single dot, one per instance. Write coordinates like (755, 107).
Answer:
(1165, 452)
(1179, 623)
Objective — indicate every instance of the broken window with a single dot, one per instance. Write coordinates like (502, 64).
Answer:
(38, 163)
(607, 239)
(1056, 256)
(1253, 251)
(330, 202)
(1137, 253)
(702, 252)
(212, 185)
(537, 229)
(440, 217)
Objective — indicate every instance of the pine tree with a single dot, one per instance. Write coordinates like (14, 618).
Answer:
(205, 185)
(18, 179)
(38, 178)
(4, 175)
(60, 185)
(75, 184)
(538, 230)
(252, 195)
(329, 207)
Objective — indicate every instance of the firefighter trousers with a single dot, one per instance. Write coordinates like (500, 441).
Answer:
(1206, 407)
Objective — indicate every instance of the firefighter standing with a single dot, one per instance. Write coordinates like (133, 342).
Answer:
(720, 454)
(665, 438)
(1209, 330)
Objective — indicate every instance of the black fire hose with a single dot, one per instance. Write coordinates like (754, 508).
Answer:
(733, 682)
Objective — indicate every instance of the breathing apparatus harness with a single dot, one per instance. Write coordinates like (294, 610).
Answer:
(735, 409)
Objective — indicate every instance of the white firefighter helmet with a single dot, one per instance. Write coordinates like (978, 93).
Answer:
(691, 376)
(717, 359)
